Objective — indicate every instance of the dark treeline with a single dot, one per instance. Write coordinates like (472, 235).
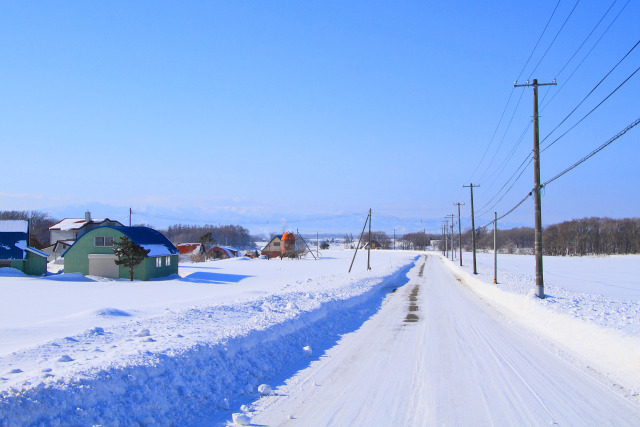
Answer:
(416, 240)
(39, 224)
(511, 241)
(598, 236)
(225, 235)
(584, 236)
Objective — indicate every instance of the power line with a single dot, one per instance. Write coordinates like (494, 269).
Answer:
(584, 59)
(585, 158)
(592, 90)
(507, 159)
(539, 38)
(482, 209)
(594, 108)
(494, 133)
(503, 136)
(586, 38)
(554, 39)
(594, 152)
(511, 94)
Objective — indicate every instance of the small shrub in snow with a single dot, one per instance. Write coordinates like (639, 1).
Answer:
(307, 350)
(241, 419)
(225, 404)
(264, 389)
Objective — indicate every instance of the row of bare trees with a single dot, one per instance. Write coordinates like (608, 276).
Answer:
(598, 236)
(585, 236)
(226, 235)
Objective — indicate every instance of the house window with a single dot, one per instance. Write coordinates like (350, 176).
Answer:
(276, 243)
(101, 242)
(158, 262)
(167, 261)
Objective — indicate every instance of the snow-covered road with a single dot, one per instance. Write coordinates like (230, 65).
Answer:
(437, 354)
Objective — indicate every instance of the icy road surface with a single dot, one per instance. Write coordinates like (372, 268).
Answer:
(436, 354)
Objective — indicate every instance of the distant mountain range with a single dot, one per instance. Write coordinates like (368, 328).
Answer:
(328, 225)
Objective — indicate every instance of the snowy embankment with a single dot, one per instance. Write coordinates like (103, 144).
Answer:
(591, 311)
(134, 365)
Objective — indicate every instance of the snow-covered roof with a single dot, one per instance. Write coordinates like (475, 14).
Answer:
(187, 248)
(13, 246)
(146, 237)
(14, 226)
(149, 238)
(69, 224)
(157, 250)
(231, 252)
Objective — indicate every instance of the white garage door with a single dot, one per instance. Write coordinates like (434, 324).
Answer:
(103, 265)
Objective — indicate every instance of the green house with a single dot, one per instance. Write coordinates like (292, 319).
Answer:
(15, 251)
(92, 254)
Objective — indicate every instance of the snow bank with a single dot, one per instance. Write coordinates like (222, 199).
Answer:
(189, 365)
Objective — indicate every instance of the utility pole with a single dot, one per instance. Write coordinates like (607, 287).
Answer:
(459, 232)
(369, 250)
(536, 184)
(451, 216)
(394, 239)
(446, 240)
(360, 240)
(451, 234)
(495, 247)
(424, 238)
(473, 228)
(129, 217)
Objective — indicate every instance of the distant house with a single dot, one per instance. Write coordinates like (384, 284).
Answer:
(92, 254)
(223, 252)
(190, 248)
(69, 230)
(15, 251)
(374, 245)
(273, 248)
(55, 250)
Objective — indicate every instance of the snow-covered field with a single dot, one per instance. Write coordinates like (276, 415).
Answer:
(87, 351)
(602, 290)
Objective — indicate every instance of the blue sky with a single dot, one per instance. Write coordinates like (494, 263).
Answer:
(264, 112)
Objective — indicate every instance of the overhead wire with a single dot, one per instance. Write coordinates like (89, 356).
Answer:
(589, 113)
(592, 90)
(511, 94)
(576, 164)
(554, 39)
(556, 92)
(594, 152)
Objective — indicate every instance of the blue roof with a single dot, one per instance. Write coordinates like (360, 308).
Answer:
(146, 237)
(8, 248)
(13, 246)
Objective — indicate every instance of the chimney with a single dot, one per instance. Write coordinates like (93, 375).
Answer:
(87, 216)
